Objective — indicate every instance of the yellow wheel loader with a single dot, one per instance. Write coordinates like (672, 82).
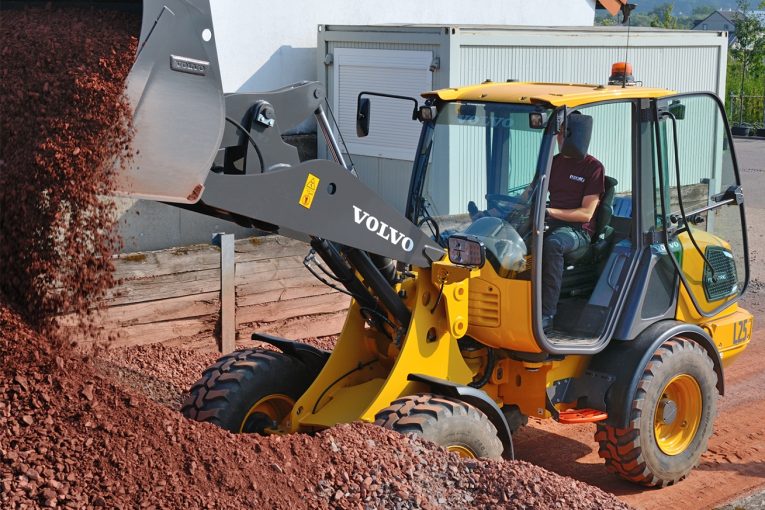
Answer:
(444, 335)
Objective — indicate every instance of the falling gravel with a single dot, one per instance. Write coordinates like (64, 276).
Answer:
(64, 122)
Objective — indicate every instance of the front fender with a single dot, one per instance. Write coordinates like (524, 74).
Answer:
(626, 361)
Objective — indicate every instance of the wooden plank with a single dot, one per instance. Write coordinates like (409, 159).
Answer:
(260, 243)
(299, 328)
(164, 310)
(164, 262)
(282, 294)
(156, 332)
(164, 286)
(265, 250)
(246, 269)
(311, 305)
(298, 281)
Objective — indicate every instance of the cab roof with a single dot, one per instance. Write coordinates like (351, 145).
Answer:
(549, 94)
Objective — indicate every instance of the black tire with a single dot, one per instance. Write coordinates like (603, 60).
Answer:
(228, 390)
(634, 453)
(451, 423)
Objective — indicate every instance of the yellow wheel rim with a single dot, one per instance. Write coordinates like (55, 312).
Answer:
(462, 450)
(678, 414)
(275, 407)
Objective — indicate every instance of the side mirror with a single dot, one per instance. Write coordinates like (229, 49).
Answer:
(677, 109)
(362, 117)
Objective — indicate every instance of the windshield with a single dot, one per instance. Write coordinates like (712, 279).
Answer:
(482, 163)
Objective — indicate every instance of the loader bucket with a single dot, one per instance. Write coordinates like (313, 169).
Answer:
(174, 91)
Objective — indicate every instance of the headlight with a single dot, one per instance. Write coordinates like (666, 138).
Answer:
(466, 250)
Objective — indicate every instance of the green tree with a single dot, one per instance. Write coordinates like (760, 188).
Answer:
(702, 11)
(748, 51)
(663, 18)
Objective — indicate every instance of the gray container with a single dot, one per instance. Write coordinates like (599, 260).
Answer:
(408, 60)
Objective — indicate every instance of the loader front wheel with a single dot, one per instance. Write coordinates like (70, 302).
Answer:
(457, 426)
(248, 391)
(671, 419)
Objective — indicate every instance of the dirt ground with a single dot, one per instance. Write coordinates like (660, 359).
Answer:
(735, 462)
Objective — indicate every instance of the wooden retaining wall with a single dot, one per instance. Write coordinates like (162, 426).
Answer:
(174, 294)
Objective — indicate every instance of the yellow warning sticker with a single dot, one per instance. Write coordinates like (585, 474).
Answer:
(309, 190)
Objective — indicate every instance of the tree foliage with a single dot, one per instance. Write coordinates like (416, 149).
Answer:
(747, 63)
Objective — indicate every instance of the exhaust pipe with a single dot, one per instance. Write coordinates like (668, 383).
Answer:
(175, 94)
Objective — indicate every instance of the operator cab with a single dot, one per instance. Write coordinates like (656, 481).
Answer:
(482, 174)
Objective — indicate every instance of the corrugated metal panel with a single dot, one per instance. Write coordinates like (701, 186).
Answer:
(392, 132)
(332, 46)
(655, 66)
(467, 167)
(388, 177)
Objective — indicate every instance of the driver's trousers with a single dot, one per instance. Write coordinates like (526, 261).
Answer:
(558, 242)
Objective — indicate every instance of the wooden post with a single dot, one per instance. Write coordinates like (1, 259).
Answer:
(227, 292)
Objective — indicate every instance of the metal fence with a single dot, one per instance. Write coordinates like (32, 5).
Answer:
(747, 112)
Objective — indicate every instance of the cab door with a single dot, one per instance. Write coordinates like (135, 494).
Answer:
(701, 203)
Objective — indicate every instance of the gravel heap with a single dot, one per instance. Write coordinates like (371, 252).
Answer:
(70, 434)
(72, 437)
(62, 124)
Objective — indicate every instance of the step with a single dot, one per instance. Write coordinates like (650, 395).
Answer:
(571, 416)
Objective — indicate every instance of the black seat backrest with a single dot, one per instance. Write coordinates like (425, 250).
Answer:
(605, 207)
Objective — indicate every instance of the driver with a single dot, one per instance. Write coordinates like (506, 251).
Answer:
(577, 183)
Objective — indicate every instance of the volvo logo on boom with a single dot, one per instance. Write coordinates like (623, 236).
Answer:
(188, 65)
(382, 229)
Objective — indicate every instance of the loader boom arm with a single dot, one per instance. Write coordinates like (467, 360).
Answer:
(229, 159)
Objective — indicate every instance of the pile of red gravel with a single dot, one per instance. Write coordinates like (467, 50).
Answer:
(71, 437)
(63, 121)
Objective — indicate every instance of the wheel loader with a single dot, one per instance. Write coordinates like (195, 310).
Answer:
(444, 334)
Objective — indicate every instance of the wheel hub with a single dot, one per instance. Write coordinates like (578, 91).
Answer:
(267, 413)
(668, 411)
(462, 450)
(678, 414)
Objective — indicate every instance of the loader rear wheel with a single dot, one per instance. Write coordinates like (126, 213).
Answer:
(248, 391)
(457, 426)
(671, 420)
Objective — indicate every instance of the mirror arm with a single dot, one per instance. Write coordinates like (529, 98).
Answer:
(392, 96)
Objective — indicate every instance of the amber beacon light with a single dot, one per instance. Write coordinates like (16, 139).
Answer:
(621, 74)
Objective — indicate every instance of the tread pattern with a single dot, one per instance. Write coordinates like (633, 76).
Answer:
(416, 414)
(210, 396)
(621, 447)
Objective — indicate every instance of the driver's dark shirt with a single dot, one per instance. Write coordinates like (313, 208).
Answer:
(573, 179)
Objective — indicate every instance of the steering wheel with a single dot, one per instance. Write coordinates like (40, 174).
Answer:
(505, 201)
(514, 209)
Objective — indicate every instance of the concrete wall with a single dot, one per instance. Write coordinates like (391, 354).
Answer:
(263, 45)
